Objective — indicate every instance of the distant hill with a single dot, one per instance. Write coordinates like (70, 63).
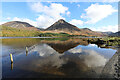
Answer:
(107, 33)
(63, 26)
(20, 25)
(18, 29)
(117, 34)
(41, 29)
(86, 29)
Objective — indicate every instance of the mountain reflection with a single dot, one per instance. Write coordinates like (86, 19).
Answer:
(63, 46)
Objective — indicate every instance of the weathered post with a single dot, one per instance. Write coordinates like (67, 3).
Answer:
(26, 51)
(11, 58)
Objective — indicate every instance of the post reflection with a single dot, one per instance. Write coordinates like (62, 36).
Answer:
(11, 66)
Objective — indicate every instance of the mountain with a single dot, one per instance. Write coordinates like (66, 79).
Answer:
(41, 29)
(117, 34)
(86, 29)
(107, 33)
(63, 26)
(20, 25)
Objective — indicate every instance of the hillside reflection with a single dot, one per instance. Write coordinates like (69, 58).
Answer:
(17, 45)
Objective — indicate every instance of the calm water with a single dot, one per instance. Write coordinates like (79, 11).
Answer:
(50, 58)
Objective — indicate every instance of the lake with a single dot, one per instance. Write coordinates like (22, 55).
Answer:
(53, 58)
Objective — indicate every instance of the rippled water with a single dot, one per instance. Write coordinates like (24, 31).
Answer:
(55, 57)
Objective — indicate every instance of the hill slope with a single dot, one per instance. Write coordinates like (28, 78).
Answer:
(117, 34)
(107, 33)
(20, 25)
(16, 32)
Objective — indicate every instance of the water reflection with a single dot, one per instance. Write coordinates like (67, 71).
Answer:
(26, 53)
(90, 57)
(11, 66)
(56, 58)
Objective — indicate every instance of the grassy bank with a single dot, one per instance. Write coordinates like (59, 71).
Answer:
(105, 42)
(54, 35)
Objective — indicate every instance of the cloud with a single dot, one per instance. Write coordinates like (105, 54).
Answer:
(8, 18)
(68, 13)
(41, 22)
(44, 21)
(110, 0)
(113, 28)
(96, 12)
(2, 23)
(78, 5)
(17, 19)
(76, 22)
(34, 23)
(49, 14)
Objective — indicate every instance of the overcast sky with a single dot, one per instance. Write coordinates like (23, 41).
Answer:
(98, 16)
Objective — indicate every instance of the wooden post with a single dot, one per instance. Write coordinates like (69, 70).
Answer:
(26, 51)
(11, 58)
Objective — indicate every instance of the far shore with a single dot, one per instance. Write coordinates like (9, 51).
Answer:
(49, 37)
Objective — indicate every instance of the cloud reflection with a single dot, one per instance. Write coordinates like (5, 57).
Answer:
(91, 58)
(94, 59)
(50, 56)
(74, 50)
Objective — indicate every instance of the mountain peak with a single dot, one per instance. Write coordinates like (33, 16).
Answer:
(87, 29)
(62, 25)
(61, 21)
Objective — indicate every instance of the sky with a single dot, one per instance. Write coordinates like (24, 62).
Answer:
(98, 16)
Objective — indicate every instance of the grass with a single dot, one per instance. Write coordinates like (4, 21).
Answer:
(109, 41)
(14, 32)
(54, 35)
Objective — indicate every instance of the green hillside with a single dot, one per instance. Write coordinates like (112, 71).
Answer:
(15, 32)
